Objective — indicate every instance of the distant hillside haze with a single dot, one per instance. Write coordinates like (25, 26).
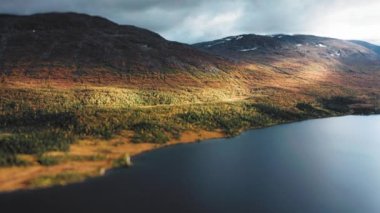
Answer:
(370, 46)
(338, 54)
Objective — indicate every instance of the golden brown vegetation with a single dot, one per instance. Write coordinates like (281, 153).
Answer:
(59, 134)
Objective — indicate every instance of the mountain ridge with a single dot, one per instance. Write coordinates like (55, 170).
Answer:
(71, 50)
(374, 47)
(70, 46)
(254, 48)
(83, 48)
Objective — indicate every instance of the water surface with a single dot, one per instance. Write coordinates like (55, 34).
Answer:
(326, 165)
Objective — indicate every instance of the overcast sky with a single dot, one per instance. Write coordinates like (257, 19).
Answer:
(200, 20)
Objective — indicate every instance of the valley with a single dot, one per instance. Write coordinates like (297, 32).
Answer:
(78, 93)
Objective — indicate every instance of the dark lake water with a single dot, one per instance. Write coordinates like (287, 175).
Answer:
(325, 165)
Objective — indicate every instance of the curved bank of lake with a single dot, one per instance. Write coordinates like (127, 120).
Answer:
(324, 165)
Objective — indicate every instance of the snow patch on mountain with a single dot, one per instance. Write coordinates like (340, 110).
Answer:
(336, 54)
(215, 43)
(249, 49)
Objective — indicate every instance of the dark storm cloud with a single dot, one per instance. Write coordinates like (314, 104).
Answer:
(198, 20)
(157, 15)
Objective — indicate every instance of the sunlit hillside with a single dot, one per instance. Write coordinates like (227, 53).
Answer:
(79, 93)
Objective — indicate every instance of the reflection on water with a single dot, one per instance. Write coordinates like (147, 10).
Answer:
(326, 165)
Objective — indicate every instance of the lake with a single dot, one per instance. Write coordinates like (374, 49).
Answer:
(323, 165)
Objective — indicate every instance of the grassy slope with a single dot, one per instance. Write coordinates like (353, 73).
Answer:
(50, 134)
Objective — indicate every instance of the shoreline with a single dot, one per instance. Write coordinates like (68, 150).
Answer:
(14, 179)
(21, 182)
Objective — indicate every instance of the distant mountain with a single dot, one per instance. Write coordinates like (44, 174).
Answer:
(70, 49)
(370, 46)
(338, 54)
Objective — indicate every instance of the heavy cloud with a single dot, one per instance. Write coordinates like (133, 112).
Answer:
(200, 20)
